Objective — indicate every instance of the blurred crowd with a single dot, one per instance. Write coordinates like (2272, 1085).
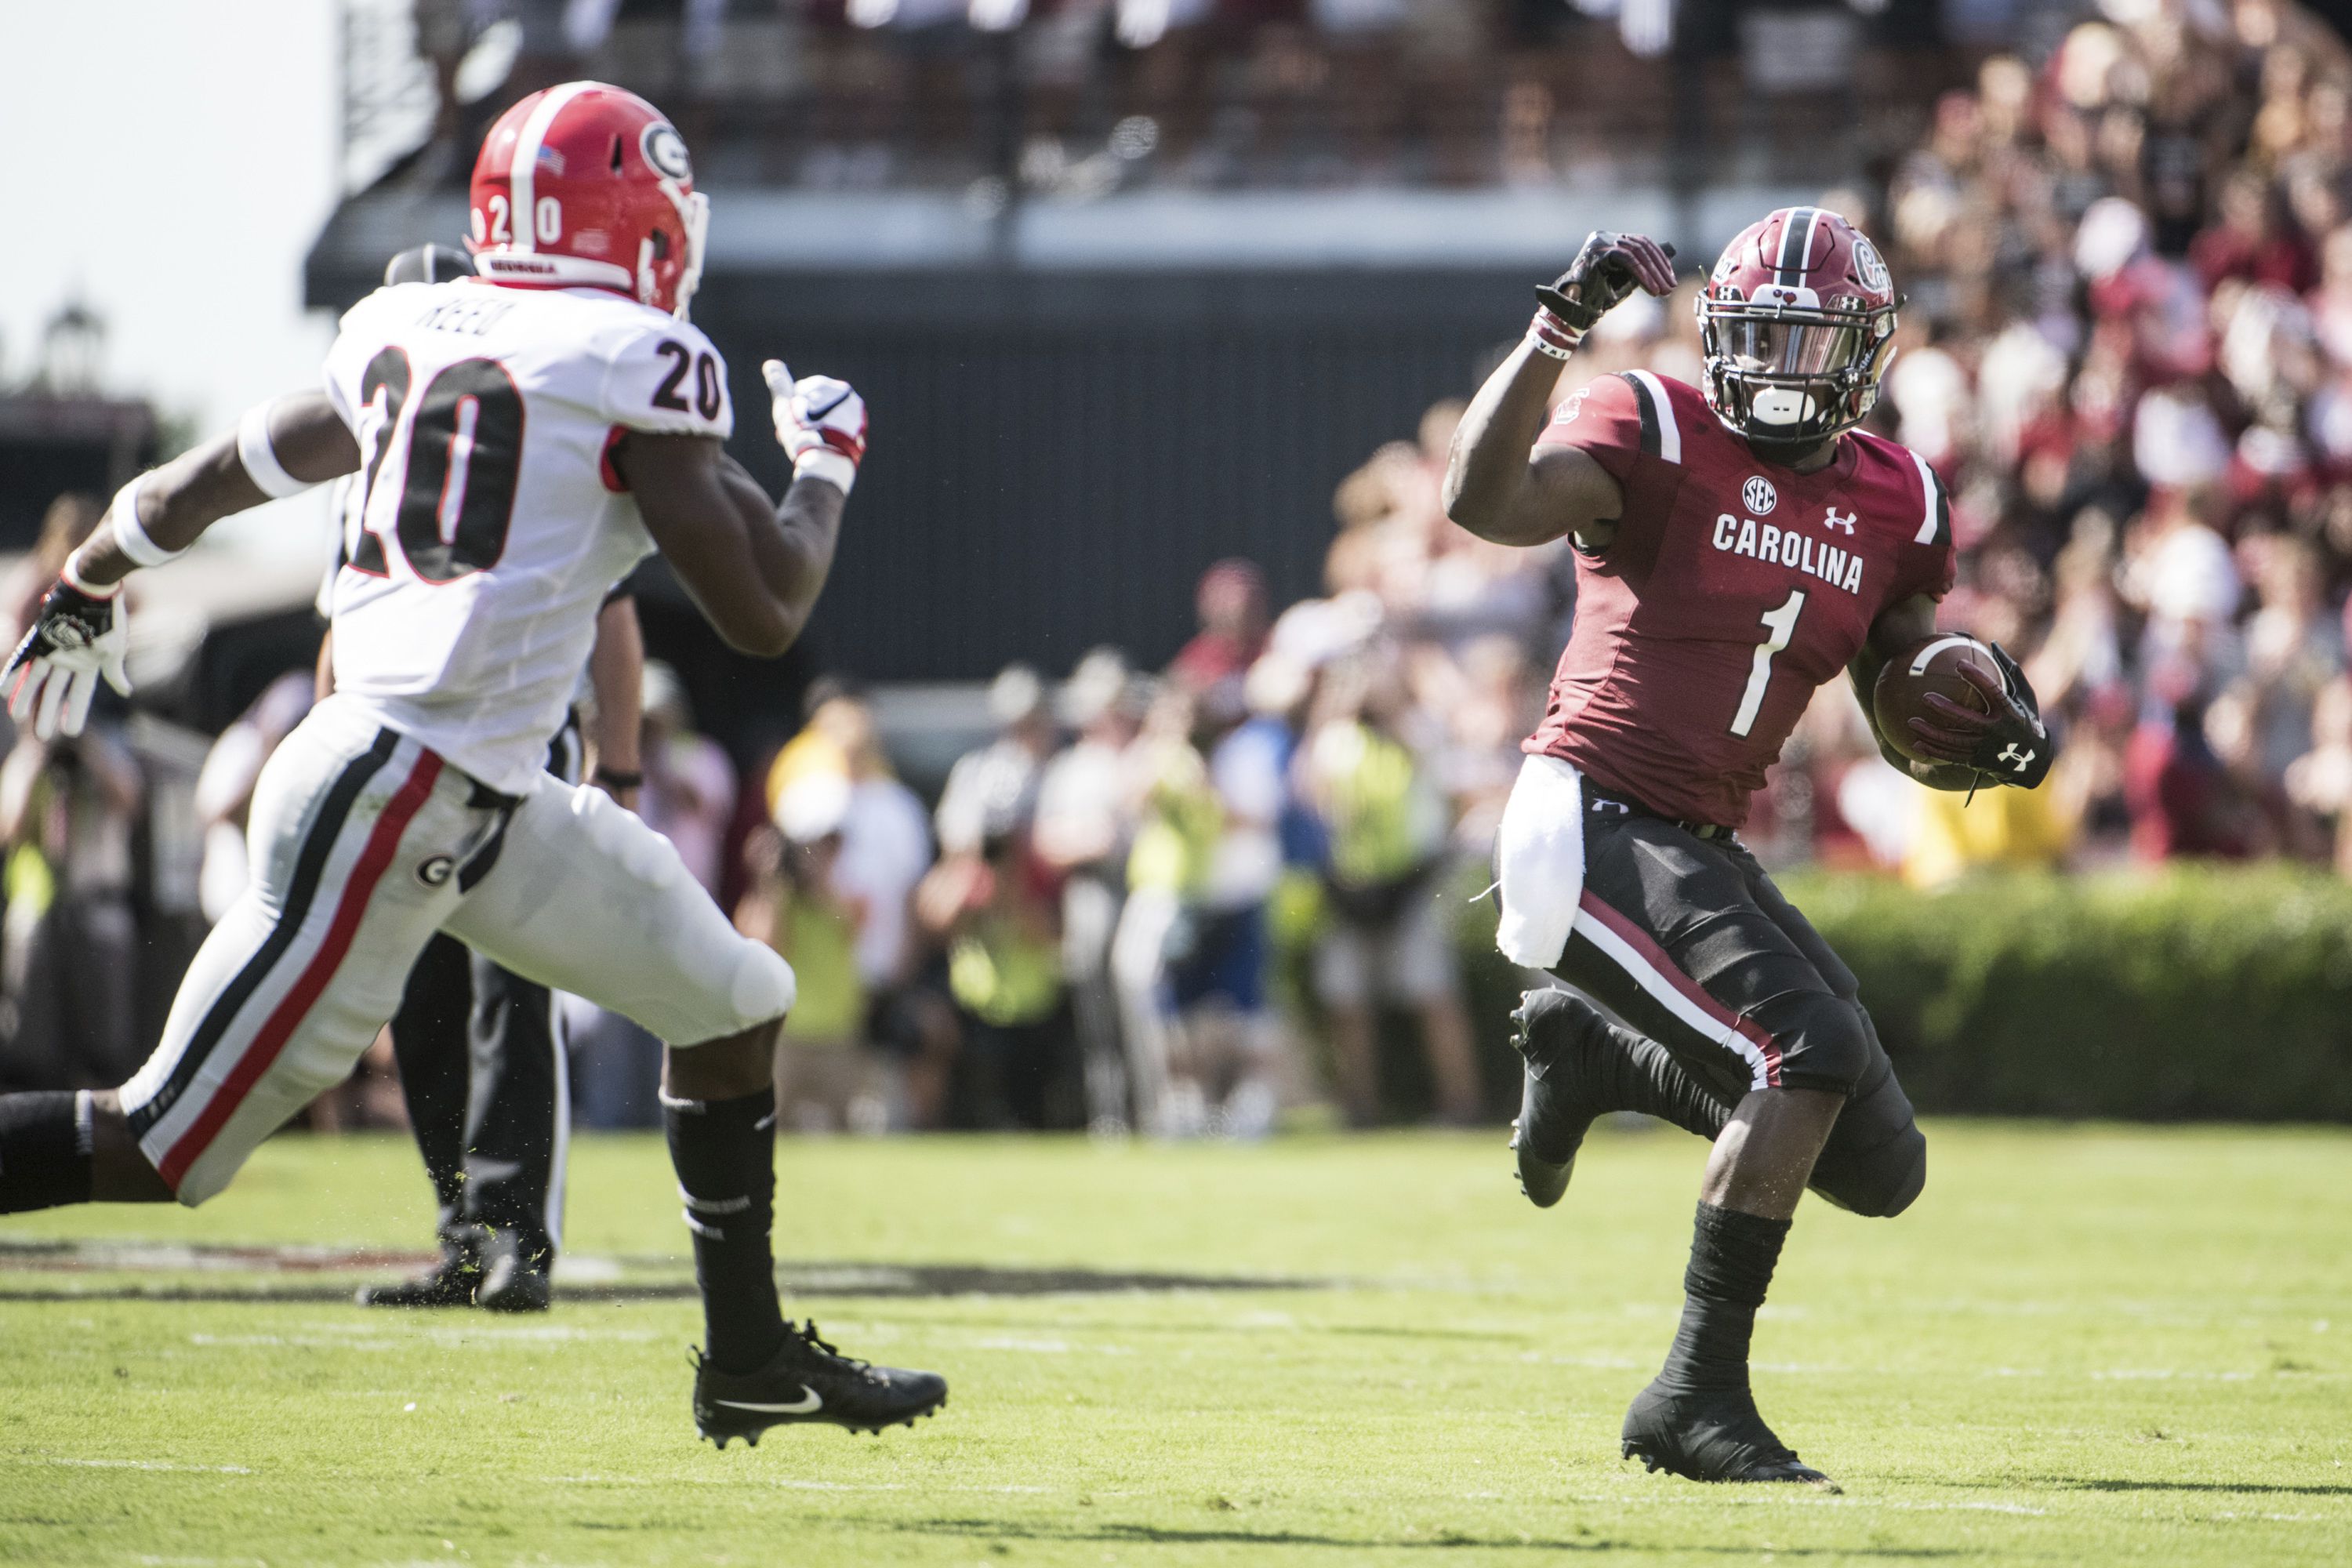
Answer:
(2129, 353)
(1178, 901)
(1074, 98)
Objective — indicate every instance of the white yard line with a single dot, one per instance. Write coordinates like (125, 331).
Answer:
(142, 1465)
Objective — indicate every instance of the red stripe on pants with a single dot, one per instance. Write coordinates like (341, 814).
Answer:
(383, 842)
(1644, 944)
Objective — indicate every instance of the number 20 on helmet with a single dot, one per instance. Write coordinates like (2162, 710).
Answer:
(589, 185)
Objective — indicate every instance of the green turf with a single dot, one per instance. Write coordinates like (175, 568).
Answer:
(2083, 1345)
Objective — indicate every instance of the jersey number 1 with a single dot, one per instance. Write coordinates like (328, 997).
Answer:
(456, 491)
(1782, 623)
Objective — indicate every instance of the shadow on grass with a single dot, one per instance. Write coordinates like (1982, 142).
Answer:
(1442, 1540)
(2104, 1484)
(292, 1274)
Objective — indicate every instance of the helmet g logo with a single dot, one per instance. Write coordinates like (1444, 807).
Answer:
(665, 150)
(1758, 496)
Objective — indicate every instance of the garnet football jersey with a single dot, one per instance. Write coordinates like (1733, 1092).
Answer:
(1733, 590)
(487, 526)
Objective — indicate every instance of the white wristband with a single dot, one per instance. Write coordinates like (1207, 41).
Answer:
(260, 458)
(823, 463)
(130, 534)
(70, 575)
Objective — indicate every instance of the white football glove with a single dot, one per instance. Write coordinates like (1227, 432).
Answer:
(76, 638)
(820, 423)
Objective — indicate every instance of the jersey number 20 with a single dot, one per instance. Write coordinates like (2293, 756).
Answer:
(1783, 626)
(455, 494)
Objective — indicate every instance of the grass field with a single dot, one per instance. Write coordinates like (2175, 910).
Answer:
(2083, 1345)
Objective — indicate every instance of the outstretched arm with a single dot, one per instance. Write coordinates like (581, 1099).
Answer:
(78, 636)
(307, 440)
(1494, 487)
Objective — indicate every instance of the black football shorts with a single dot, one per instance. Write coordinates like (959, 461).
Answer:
(1687, 941)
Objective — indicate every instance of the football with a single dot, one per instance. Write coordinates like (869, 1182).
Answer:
(1935, 665)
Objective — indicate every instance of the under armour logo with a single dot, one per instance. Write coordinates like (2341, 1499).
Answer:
(2018, 759)
(1845, 522)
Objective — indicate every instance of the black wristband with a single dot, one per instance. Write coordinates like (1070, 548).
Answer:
(613, 778)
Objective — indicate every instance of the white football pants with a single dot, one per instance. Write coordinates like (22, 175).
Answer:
(364, 844)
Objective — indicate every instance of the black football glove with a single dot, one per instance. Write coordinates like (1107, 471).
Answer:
(1609, 268)
(53, 673)
(2009, 745)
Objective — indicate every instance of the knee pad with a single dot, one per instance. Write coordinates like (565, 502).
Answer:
(1875, 1161)
(765, 986)
(1824, 1041)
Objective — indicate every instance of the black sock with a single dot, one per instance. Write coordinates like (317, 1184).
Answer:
(1651, 1080)
(44, 1151)
(725, 1154)
(1732, 1255)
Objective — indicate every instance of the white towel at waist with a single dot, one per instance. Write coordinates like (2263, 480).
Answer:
(1539, 851)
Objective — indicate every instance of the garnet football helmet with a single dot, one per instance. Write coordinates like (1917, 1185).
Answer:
(585, 183)
(1797, 323)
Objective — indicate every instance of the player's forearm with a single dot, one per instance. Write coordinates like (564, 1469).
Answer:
(296, 442)
(175, 504)
(798, 554)
(1486, 473)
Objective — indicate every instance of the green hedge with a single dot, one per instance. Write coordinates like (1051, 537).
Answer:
(2195, 991)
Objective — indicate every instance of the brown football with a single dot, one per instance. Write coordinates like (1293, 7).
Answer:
(1934, 665)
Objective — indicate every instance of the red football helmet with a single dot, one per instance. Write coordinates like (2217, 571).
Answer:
(585, 183)
(1797, 322)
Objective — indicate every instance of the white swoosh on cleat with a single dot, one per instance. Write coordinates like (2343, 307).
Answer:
(806, 1406)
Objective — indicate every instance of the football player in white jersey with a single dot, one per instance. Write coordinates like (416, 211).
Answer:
(523, 438)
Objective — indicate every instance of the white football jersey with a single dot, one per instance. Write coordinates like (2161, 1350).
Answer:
(486, 524)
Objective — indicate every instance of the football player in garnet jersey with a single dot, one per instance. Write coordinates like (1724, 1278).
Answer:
(523, 438)
(1737, 546)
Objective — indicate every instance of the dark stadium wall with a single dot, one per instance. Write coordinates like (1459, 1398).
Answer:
(1055, 459)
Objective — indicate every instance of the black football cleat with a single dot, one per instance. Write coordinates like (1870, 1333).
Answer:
(450, 1285)
(511, 1280)
(1714, 1436)
(1556, 1033)
(808, 1381)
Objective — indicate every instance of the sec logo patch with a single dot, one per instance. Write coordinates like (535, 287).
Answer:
(1758, 496)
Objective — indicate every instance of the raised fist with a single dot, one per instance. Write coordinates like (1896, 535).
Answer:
(1609, 268)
